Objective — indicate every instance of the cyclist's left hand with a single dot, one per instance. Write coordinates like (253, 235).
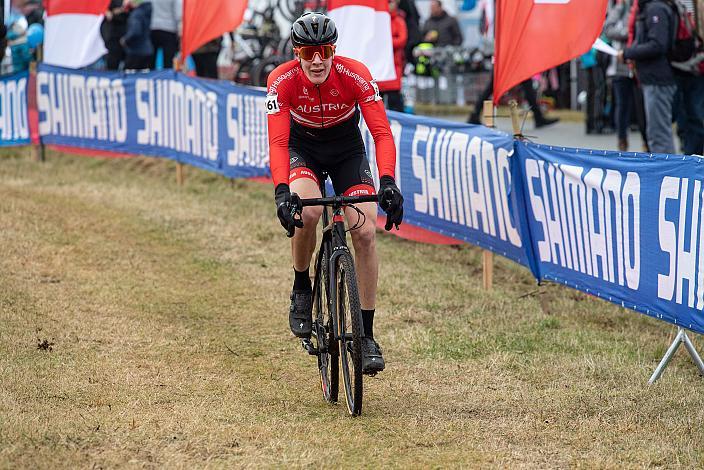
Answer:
(391, 200)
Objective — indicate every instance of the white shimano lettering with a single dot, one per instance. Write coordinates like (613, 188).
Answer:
(554, 2)
(590, 220)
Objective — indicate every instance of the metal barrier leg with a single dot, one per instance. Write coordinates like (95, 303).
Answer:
(693, 352)
(679, 339)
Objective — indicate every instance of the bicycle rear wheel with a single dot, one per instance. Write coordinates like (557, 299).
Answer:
(328, 355)
(349, 318)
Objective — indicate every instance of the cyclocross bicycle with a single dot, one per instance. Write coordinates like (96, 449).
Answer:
(337, 334)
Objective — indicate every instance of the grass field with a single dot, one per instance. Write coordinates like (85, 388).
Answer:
(145, 325)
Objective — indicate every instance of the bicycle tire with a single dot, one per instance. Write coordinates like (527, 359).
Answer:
(328, 360)
(243, 75)
(262, 69)
(349, 318)
(290, 9)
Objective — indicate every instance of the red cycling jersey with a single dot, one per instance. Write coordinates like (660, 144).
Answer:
(291, 95)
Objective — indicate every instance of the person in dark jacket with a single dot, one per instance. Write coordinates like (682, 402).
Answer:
(408, 7)
(136, 41)
(112, 29)
(652, 41)
(625, 87)
(441, 29)
(3, 40)
(689, 100)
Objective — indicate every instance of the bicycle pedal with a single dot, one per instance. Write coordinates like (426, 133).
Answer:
(308, 346)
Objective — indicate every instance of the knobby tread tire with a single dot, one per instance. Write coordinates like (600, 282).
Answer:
(344, 269)
(328, 363)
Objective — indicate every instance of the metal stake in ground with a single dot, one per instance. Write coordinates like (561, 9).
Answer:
(488, 256)
(38, 150)
(679, 339)
(179, 166)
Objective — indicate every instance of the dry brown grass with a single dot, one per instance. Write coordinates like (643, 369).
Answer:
(144, 325)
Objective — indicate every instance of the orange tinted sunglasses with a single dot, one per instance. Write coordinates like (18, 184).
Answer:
(308, 52)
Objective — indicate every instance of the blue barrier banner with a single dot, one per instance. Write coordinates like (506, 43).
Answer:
(456, 181)
(455, 177)
(212, 125)
(625, 227)
(14, 122)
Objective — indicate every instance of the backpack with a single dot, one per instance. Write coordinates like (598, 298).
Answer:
(685, 41)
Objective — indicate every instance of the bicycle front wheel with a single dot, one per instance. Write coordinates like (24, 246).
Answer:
(350, 333)
(328, 363)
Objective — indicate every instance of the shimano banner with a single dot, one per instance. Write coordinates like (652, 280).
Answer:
(627, 228)
(14, 124)
(455, 177)
(456, 181)
(208, 124)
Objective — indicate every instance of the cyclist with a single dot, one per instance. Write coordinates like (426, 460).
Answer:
(313, 104)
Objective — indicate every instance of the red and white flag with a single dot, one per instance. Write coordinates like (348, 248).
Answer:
(72, 32)
(364, 30)
(205, 21)
(535, 35)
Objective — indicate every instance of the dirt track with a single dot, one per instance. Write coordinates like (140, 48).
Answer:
(142, 324)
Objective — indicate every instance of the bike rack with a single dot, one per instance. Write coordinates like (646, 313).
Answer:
(679, 339)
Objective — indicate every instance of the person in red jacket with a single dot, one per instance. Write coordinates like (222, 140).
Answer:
(391, 89)
(313, 106)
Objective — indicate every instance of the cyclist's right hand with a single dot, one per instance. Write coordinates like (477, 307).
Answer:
(288, 209)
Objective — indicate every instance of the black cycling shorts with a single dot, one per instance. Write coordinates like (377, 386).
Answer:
(342, 157)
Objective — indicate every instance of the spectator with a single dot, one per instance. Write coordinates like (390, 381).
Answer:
(486, 30)
(624, 84)
(136, 41)
(112, 29)
(3, 40)
(165, 26)
(652, 40)
(32, 10)
(441, 29)
(206, 58)
(528, 93)
(22, 39)
(410, 12)
(689, 100)
(594, 63)
(391, 89)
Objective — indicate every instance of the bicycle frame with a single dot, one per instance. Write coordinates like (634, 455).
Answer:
(334, 241)
(341, 298)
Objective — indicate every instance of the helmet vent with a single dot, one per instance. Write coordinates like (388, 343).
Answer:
(313, 29)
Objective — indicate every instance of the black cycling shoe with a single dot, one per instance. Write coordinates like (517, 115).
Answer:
(300, 317)
(372, 360)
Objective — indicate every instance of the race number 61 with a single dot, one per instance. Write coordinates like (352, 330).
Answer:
(272, 104)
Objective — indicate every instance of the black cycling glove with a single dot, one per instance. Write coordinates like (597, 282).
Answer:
(287, 206)
(391, 200)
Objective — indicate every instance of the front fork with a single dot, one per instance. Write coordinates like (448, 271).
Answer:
(339, 246)
(334, 237)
